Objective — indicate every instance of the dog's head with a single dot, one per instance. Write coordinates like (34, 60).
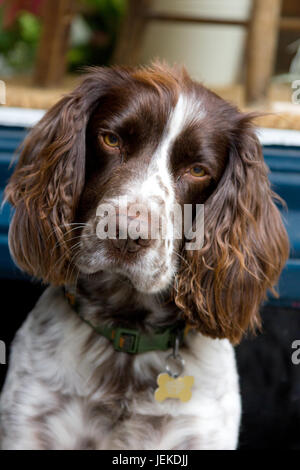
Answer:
(122, 151)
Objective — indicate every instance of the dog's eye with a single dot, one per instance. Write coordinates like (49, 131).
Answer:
(111, 140)
(197, 171)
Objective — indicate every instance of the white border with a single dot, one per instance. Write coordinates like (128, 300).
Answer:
(25, 117)
(20, 117)
(278, 137)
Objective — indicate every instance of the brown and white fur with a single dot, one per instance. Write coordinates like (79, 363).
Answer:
(67, 388)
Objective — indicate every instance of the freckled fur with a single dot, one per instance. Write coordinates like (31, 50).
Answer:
(66, 387)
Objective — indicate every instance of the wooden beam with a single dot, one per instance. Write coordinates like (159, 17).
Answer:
(130, 39)
(290, 23)
(150, 16)
(51, 57)
(261, 50)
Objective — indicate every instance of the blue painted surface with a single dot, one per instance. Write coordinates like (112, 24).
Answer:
(284, 164)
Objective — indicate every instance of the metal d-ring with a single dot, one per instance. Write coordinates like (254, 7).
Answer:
(174, 362)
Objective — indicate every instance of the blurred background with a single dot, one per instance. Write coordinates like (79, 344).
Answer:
(248, 51)
(224, 43)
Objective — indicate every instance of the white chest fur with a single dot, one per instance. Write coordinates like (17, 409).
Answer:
(61, 394)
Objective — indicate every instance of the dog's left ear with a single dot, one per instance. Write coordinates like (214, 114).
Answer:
(221, 286)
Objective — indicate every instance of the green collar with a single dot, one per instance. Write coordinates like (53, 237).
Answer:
(134, 341)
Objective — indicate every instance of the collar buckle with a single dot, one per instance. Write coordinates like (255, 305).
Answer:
(125, 340)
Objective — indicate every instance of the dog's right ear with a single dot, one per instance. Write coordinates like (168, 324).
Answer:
(49, 177)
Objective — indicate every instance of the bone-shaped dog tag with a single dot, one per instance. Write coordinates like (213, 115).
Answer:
(170, 387)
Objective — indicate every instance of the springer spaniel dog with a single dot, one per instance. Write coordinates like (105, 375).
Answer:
(130, 346)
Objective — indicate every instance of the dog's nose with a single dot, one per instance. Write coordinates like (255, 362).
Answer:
(132, 239)
(129, 245)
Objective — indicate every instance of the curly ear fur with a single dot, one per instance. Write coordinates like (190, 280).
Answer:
(245, 246)
(48, 179)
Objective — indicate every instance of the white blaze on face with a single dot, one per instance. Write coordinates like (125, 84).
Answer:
(159, 168)
(184, 112)
(158, 181)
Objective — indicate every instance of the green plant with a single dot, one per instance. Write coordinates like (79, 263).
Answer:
(103, 18)
(19, 42)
